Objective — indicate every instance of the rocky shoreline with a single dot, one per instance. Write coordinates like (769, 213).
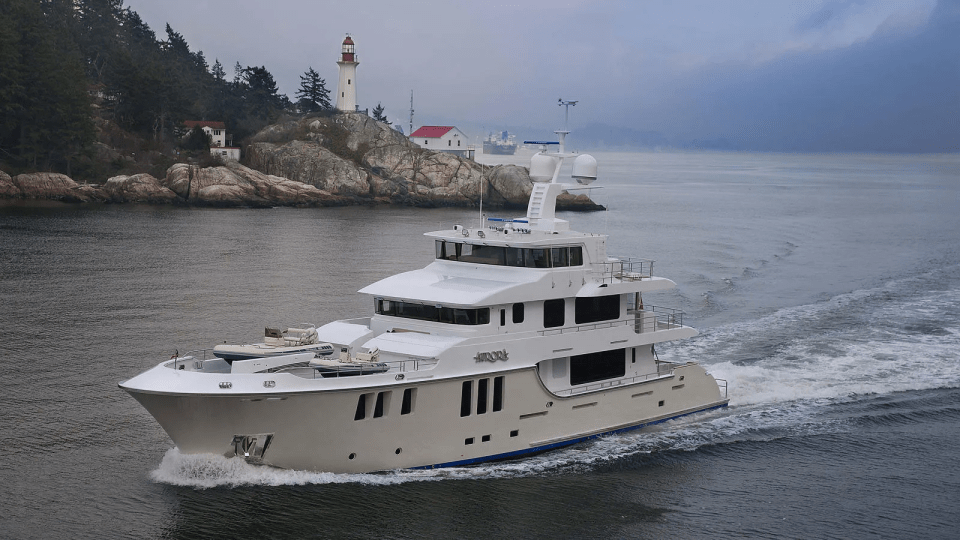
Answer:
(347, 159)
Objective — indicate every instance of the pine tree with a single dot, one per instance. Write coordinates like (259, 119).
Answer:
(313, 95)
(378, 114)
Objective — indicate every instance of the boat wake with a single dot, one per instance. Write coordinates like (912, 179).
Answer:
(787, 374)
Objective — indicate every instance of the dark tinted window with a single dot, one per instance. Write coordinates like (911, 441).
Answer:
(518, 313)
(597, 308)
(497, 394)
(599, 366)
(466, 393)
(424, 312)
(553, 313)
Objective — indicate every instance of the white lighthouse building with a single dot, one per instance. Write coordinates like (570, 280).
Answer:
(347, 87)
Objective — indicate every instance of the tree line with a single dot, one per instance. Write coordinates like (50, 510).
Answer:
(74, 68)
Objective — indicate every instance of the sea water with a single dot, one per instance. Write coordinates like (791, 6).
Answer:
(826, 289)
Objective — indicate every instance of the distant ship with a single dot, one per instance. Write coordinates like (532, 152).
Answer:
(500, 143)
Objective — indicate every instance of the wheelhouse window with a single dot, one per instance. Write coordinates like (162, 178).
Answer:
(554, 257)
(598, 308)
(435, 313)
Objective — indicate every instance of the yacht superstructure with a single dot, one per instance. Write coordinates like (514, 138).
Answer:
(521, 336)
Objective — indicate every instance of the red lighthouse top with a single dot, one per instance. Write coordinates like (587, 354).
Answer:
(347, 52)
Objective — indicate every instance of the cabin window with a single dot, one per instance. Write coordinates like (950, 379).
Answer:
(378, 407)
(503, 317)
(518, 313)
(598, 366)
(466, 395)
(597, 308)
(361, 412)
(553, 313)
(497, 394)
(406, 406)
(482, 386)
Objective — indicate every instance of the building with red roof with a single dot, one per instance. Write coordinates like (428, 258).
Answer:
(442, 139)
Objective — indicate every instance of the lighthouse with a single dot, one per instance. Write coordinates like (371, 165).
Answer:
(347, 87)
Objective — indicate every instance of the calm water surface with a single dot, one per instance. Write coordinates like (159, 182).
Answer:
(826, 289)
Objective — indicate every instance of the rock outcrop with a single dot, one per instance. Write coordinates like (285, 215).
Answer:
(139, 188)
(53, 186)
(234, 184)
(340, 159)
(8, 190)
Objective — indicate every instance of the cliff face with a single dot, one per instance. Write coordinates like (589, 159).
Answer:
(338, 160)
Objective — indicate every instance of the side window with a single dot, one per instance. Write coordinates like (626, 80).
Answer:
(518, 313)
(576, 256)
(559, 257)
(466, 395)
(553, 313)
(598, 366)
(498, 394)
(597, 308)
(409, 395)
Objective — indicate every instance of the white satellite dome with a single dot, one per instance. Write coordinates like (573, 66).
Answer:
(585, 169)
(542, 167)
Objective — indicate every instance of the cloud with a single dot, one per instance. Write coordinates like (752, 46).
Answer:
(892, 92)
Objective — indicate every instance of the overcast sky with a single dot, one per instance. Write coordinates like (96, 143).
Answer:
(778, 75)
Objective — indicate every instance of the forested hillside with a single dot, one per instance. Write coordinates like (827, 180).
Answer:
(75, 73)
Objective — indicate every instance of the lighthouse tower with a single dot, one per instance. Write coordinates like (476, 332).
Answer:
(347, 87)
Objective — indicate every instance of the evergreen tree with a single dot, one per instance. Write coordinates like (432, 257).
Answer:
(378, 114)
(313, 95)
(197, 140)
(262, 97)
(45, 114)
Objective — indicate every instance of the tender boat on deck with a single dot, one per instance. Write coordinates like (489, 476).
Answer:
(276, 343)
(521, 336)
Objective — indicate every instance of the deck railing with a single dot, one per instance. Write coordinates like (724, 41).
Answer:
(623, 269)
(193, 361)
(648, 319)
(653, 318)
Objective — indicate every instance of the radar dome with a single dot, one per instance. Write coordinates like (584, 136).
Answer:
(542, 167)
(584, 169)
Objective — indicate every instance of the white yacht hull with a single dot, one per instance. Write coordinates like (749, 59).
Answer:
(317, 430)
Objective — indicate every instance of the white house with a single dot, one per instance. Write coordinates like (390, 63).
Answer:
(217, 132)
(442, 139)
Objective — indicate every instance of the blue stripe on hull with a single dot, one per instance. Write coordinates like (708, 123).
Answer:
(546, 447)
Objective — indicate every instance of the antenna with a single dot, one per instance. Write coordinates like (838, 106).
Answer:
(411, 112)
(481, 196)
(566, 120)
(566, 117)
